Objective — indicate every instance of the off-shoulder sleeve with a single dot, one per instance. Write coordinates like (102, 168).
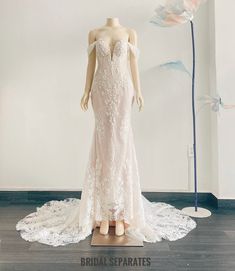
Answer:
(90, 47)
(134, 49)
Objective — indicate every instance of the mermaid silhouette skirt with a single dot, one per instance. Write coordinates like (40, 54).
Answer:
(111, 188)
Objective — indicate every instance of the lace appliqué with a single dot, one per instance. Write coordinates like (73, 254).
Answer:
(111, 188)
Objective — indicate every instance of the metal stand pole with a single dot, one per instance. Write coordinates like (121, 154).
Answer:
(195, 211)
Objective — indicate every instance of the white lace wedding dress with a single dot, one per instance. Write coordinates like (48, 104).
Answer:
(111, 188)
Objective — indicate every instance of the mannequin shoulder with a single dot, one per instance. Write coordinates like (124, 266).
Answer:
(132, 31)
(92, 35)
(132, 35)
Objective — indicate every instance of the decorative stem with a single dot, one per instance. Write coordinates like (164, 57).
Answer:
(194, 119)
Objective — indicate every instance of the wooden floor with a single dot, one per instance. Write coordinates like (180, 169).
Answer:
(211, 246)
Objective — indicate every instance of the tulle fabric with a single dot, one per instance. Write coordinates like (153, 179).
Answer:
(56, 223)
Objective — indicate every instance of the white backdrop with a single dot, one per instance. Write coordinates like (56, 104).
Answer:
(222, 69)
(45, 137)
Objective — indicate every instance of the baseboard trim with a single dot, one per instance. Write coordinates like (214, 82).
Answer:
(32, 197)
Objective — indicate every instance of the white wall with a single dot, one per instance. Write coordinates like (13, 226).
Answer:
(45, 137)
(224, 128)
(213, 92)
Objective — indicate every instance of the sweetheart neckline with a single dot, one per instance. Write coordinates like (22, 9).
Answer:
(133, 47)
(111, 52)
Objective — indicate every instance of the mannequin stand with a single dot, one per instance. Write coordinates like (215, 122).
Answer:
(111, 239)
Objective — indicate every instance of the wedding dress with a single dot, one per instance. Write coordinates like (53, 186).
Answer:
(111, 188)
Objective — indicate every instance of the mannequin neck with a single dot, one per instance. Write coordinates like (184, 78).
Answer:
(112, 22)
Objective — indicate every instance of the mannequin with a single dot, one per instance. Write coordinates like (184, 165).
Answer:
(111, 32)
(111, 194)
